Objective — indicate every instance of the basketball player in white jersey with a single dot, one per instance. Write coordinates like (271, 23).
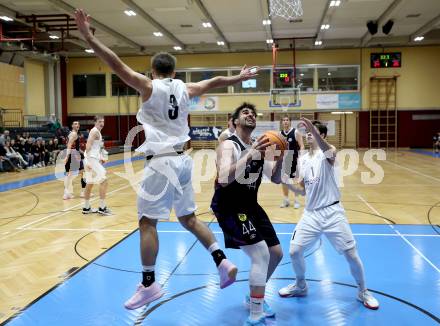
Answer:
(228, 132)
(94, 170)
(164, 114)
(323, 214)
(73, 162)
(296, 146)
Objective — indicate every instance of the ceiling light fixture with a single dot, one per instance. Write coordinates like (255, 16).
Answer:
(419, 38)
(269, 41)
(89, 50)
(318, 42)
(54, 37)
(206, 24)
(6, 18)
(177, 48)
(325, 26)
(129, 12)
(158, 34)
(220, 43)
(335, 3)
(266, 22)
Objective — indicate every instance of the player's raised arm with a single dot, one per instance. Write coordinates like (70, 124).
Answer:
(201, 87)
(328, 150)
(132, 78)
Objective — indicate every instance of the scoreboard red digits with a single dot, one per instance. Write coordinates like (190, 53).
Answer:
(386, 60)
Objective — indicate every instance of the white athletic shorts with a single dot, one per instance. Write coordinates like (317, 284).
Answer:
(330, 221)
(94, 171)
(167, 184)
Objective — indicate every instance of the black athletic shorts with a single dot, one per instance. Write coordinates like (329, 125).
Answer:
(246, 226)
(77, 164)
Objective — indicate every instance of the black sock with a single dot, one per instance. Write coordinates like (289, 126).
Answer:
(218, 256)
(147, 278)
(83, 183)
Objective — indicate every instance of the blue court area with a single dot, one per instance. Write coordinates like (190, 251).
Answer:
(401, 267)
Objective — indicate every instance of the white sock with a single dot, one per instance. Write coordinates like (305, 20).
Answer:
(213, 247)
(86, 204)
(102, 203)
(148, 268)
(256, 308)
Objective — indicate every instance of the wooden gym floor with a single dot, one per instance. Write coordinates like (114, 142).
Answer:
(41, 235)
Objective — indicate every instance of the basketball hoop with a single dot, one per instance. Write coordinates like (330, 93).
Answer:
(288, 9)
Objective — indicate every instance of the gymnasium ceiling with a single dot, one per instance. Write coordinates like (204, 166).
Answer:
(238, 23)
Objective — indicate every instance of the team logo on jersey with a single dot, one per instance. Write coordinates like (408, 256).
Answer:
(289, 140)
(242, 217)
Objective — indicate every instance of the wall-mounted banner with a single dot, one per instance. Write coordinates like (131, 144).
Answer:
(349, 101)
(204, 103)
(338, 101)
(327, 101)
(263, 126)
(205, 133)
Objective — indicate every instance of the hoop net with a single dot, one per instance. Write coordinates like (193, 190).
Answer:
(288, 9)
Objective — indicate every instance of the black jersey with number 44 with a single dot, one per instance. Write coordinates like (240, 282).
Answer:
(243, 191)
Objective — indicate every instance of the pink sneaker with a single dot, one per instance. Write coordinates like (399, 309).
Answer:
(228, 272)
(144, 295)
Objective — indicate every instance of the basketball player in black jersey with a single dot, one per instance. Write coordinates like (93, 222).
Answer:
(73, 162)
(245, 225)
(296, 145)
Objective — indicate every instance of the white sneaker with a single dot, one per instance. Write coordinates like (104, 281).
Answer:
(67, 196)
(296, 205)
(285, 203)
(292, 290)
(368, 300)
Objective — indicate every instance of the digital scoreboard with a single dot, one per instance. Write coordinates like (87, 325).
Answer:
(386, 60)
(283, 78)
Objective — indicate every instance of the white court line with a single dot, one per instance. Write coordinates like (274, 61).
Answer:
(60, 213)
(399, 234)
(219, 232)
(414, 171)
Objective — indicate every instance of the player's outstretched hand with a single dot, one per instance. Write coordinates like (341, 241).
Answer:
(306, 123)
(249, 72)
(83, 22)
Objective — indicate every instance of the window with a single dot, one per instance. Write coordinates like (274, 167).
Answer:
(181, 75)
(120, 88)
(88, 85)
(259, 84)
(197, 76)
(338, 79)
(304, 78)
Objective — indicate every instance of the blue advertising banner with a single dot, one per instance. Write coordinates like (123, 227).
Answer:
(349, 101)
(205, 133)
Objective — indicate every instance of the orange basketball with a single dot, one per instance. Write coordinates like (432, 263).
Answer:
(276, 139)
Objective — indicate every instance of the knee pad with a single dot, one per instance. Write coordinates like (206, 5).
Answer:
(260, 257)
